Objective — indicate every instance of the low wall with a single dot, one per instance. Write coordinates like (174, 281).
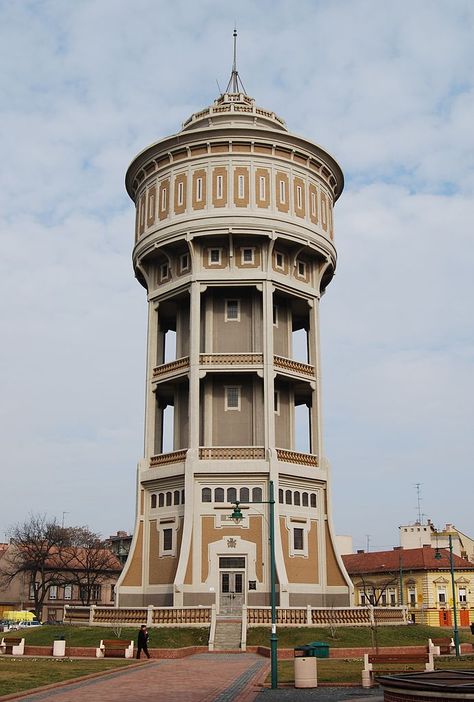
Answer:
(287, 653)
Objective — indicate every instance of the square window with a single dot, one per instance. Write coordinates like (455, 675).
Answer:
(232, 397)
(301, 269)
(53, 592)
(167, 539)
(248, 255)
(232, 310)
(214, 257)
(68, 592)
(279, 260)
(184, 263)
(164, 271)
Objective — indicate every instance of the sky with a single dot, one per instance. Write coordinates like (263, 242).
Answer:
(387, 89)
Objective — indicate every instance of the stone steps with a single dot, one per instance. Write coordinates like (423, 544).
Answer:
(227, 635)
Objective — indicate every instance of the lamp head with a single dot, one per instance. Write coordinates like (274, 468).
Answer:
(438, 555)
(237, 515)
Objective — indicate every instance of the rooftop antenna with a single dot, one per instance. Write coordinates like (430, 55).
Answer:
(235, 84)
(418, 502)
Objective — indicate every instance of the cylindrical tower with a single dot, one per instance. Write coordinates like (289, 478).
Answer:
(234, 245)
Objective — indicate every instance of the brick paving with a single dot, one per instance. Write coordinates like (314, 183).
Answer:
(199, 678)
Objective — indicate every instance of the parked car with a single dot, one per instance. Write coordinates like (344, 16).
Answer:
(28, 625)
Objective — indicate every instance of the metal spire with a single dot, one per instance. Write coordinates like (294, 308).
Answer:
(235, 84)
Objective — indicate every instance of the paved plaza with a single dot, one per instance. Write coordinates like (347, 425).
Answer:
(200, 678)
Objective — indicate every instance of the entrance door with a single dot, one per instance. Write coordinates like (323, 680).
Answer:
(232, 593)
(445, 618)
(464, 617)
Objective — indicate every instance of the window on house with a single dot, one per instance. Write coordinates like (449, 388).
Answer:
(219, 495)
(182, 497)
(164, 196)
(33, 587)
(180, 193)
(392, 598)
(161, 499)
(164, 271)
(53, 592)
(68, 592)
(198, 189)
(282, 191)
(280, 496)
(261, 188)
(301, 269)
(298, 543)
(462, 595)
(206, 495)
(167, 539)
(412, 596)
(279, 260)
(231, 494)
(362, 598)
(305, 497)
(214, 257)
(276, 402)
(176, 497)
(299, 197)
(232, 310)
(241, 186)
(220, 187)
(169, 499)
(442, 595)
(313, 204)
(248, 255)
(153, 501)
(184, 263)
(232, 397)
(275, 315)
(288, 497)
(244, 495)
(257, 494)
(383, 599)
(296, 498)
(313, 500)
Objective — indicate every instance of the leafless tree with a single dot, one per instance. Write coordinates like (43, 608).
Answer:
(86, 561)
(32, 546)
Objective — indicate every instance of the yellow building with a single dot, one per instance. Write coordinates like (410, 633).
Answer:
(417, 578)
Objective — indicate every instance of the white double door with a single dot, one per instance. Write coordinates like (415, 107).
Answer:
(232, 592)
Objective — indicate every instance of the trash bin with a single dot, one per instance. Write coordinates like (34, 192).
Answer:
(306, 673)
(315, 649)
(320, 649)
(471, 625)
(59, 648)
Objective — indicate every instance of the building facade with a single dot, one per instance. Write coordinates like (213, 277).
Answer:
(234, 246)
(416, 578)
(425, 534)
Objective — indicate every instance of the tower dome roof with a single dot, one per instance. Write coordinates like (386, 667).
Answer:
(234, 109)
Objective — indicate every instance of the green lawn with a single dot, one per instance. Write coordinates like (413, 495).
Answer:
(343, 670)
(163, 637)
(18, 674)
(348, 637)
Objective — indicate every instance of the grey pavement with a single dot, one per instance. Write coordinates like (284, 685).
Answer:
(320, 694)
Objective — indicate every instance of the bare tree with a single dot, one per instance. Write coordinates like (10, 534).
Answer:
(33, 544)
(86, 561)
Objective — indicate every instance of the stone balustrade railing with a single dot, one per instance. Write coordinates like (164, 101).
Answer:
(230, 359)
(171, 367)
(135, 616)
(304, 459)
(232, 453)
(327, 616)
(294, 366)
(165, 458)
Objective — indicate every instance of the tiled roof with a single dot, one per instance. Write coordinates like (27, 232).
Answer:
(410, 558)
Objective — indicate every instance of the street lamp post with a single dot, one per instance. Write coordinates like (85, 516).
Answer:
(237, 516)
(438, 556)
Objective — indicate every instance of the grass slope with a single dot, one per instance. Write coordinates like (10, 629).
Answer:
(163, 637)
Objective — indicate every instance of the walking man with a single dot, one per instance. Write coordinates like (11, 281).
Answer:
(142, 642)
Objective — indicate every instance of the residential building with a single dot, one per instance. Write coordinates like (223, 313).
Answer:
(419, 534)
(234, 245)
(415, 578)
(120, 544)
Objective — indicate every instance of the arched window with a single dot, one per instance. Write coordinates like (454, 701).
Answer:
(206, 495)
(244, 495)
(161, 499)
(153, 501)
(280, 496)
(257, 494)
(313, 500)
(219, 495)
(288, 497)
(169, 499)
(182, 497)
(231, 494)
(296, 498)
(305, 499)
(176, 497)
